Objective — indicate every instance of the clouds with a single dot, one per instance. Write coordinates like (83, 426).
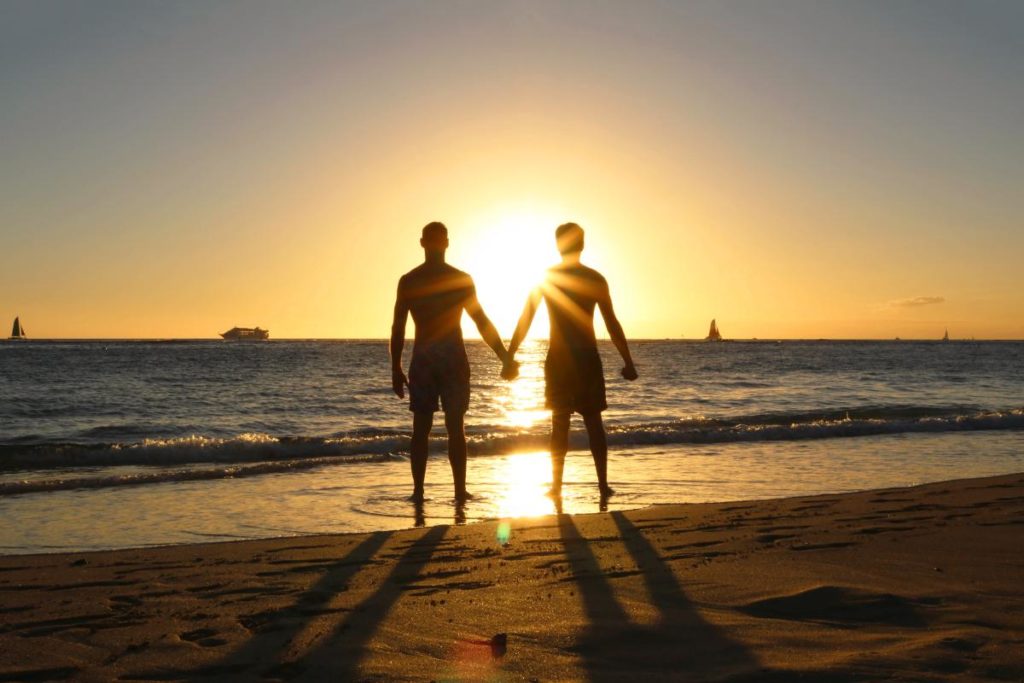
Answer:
(917, 302)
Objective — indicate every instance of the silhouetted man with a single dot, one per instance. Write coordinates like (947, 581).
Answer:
(573, 376)
(436, 294)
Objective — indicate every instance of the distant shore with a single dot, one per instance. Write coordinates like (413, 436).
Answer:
(916, 583)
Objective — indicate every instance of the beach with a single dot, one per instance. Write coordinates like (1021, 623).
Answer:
(918, 583)
(511, 341)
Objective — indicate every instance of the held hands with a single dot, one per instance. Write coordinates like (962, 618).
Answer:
(629, 372)
(398, 382)
(510, 369)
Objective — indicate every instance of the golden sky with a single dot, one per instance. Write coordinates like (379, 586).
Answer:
(793, 169)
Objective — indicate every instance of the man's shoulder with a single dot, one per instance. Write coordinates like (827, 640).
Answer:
(412, 274)
(461, 277)
(407, 280)
(427, 271)
(445, 277)
(592, 273)
(456, 272)
(579, 270)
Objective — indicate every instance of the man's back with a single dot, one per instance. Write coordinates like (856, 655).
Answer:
(571, 292)
(573, 372)
(436, 294)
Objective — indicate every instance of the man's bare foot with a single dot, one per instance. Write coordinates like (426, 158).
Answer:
(606, 491)
(463, 496)
(416, 497)
(554, 492)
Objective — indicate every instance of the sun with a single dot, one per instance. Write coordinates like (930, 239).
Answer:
(507, 255)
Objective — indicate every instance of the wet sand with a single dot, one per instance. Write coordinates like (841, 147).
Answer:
(913, 584)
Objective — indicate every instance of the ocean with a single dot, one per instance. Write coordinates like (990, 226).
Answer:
(110, 444)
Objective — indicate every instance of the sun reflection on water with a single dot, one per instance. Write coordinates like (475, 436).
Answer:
(525, 478)
(523, 404)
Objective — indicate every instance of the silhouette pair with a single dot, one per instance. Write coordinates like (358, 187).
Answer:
(436, 294)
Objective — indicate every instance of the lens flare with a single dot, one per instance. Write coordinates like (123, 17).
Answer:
(504, 533)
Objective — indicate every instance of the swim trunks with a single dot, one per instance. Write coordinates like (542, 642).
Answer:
(574, 381)
(439, 371)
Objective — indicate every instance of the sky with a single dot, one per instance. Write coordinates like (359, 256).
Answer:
(792, 169)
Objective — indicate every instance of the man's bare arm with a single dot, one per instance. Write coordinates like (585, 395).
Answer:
(525, 320)
(398, 378)
(611, 321)
(487, 330)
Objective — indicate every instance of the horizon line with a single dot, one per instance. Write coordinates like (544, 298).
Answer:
(475, 339)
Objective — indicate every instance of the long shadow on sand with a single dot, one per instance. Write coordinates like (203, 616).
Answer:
(305, 640)
(272, 631)
(681, 645)
(338, 655)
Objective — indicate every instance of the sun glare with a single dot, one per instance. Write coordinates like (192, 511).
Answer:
(523, 403)
(526, 477)
(507, 256)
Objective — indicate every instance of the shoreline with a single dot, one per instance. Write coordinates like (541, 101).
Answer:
(372, 496)
(917, 583)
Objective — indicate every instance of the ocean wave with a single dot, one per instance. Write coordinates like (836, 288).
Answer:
(250, 447)
(814, 428)
(265, 450)
(164, 475)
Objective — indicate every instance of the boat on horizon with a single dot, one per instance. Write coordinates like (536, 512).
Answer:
(246, 334)
(17, 331)
(945, 337)
(713, 333)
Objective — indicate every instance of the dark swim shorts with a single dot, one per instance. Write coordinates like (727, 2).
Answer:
(439, 372)
(574, 381)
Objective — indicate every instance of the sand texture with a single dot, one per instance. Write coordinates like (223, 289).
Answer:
(915, 584)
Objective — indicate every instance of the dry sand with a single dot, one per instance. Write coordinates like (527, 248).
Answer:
(913, 584)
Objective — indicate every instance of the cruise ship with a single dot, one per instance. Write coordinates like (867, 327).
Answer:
(246, 334)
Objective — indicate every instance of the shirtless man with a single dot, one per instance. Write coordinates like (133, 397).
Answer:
(436, 294)
(573, 376)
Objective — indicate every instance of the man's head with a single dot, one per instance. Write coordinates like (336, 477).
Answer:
(569, 237)
(435, 237)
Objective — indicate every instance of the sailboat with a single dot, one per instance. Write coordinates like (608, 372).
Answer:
(713, 333)
(17, 331)
(945, 337)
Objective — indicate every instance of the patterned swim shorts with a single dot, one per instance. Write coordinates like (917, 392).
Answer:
(439, 372)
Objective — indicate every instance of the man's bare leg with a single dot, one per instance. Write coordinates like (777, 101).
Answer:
(457, 453)
(421, 424)
(559, 447)
(598, 449)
